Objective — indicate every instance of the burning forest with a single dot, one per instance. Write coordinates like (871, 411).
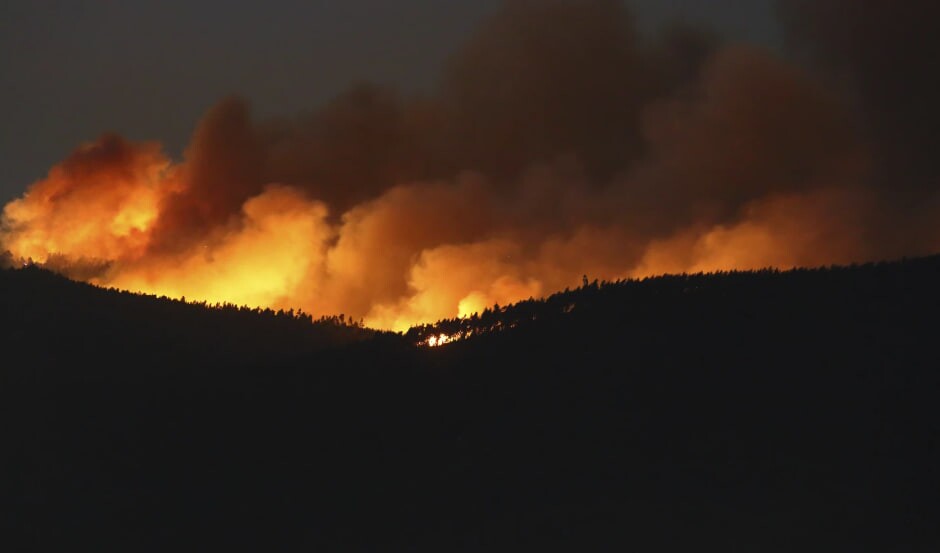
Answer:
(559, 141)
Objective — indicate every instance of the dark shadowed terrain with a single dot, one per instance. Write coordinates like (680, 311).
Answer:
(764, 411)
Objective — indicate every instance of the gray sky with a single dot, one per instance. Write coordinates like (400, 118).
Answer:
(71, 69)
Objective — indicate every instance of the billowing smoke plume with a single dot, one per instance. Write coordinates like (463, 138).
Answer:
(558, 143)
(881, 55)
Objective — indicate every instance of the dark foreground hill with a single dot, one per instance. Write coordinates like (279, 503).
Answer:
(55, 324)
(759, 411)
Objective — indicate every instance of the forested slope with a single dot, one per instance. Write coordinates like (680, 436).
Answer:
(767, 411)
(50, 321)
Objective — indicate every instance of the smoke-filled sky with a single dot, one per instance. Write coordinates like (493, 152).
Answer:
(70, 69)
(498, 153)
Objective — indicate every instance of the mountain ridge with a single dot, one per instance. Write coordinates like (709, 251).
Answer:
(752, 411)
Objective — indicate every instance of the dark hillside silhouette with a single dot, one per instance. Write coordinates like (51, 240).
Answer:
(605, 306)
(54, 322)
(759, 411)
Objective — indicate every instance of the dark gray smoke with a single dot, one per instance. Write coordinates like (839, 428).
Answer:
(559, 141)
(882, 56)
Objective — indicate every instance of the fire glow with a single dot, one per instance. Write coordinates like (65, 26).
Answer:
(440, 340)
(403, 211)
(97, 216)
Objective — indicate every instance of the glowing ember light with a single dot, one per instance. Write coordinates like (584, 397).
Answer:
(440, 340)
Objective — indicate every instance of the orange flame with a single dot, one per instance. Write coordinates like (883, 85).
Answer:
(729, 182)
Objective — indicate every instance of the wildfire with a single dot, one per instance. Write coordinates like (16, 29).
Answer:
(440, 340)
(100, 215)
(400, 212)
